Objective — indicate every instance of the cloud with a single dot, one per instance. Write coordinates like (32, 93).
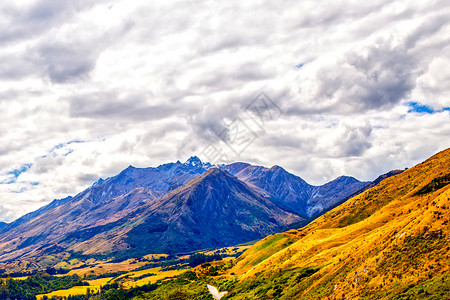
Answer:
(376, 76)
(67, 62)
(355, 140)
(90, 87)
(118, 105)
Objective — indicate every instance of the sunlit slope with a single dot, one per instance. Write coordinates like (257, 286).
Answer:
(391, 240)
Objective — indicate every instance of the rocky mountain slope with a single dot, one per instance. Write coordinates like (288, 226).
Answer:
(212, 210)
(292, 192)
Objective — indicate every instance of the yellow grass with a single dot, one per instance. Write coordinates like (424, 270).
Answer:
(155, 256)
(108, 267)
(77, 290)
(228, 250)
(20, 278)
(128, 281)
(99, 282)
(159, 275)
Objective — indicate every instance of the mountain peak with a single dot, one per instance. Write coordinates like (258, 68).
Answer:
(214, 171)
(211, 175)
(130, 167)
(344, 178)
(276, 168)
(98, 182)
(193, 161)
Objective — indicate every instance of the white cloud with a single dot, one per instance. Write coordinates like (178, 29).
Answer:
(142, 83)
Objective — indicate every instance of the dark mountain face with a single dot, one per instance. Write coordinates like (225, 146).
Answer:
(292, 192)
(287, 190)
(327, 195)
(212, 210)
(2, 224)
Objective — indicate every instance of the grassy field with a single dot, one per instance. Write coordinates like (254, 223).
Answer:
(128, 280)
(78, 290)
(103, 267)
(136, 274)
(132, 277)
(133, 281)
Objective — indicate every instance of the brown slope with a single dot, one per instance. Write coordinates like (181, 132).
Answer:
(51, 227)
(390, 240)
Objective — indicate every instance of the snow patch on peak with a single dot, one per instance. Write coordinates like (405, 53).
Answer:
(193, 161)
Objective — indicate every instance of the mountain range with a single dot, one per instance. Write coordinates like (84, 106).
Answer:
(173, 208)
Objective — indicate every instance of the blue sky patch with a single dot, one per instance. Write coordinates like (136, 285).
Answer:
(420, 108)
(20, 170)
(15, 173)
(416, 107)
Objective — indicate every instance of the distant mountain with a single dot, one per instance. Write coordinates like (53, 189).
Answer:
(159, 180)
(326, 196)
(104, 202)
(210, 211)
(34, 214)
(2, 224)
(287, 190)
(383, 177)
(389, 242)
(175, 207)
(292, 192)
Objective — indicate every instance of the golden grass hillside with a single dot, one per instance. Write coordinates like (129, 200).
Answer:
(390, 242)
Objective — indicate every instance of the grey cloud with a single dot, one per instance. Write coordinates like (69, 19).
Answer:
(355, 141)
(6, 215)
(381, 79)
(329, 14)
(47, 164)
(224, 77)
(63, 56)
(87, 178)
(288, 141)
(46, 9)
(217, 42)
(70, 58)
(40, 17)
(378, 77)
(17, 66)
(251, 72)
(68, 62)
(426, 29)
(207, 124)
(118, 106)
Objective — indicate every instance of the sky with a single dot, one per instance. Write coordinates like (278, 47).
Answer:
(322, 89)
